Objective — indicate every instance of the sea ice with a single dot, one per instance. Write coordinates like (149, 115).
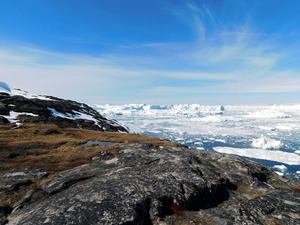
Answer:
(267, 114)
(208, 119)
(284, 127)
(268, 126)
(181, 110)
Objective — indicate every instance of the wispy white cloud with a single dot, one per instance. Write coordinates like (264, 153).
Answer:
(233, 61)
(103, 79)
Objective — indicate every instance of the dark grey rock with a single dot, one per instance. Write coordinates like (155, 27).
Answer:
(23, 201)
(103, 155)
(14, 180)
(3, 220)
(3, 213)
(145, 184)
(279, 207)
(54, 186)
(3, 120)
(4, 110)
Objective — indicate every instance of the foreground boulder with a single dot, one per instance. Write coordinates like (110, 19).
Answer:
(146, 184)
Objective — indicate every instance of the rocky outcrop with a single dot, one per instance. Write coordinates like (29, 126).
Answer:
(278, 207)
(52, 110)
(146, 184)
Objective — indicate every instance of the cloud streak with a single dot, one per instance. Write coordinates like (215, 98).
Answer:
(101, 79)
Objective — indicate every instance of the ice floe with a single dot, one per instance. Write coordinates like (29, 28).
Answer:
(277, 156)
(267, 114)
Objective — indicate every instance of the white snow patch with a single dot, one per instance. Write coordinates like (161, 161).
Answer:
(13, 116)
(18, 125)
(83, 116)
(279, 173)
(29, 95)
(277, 156)
(76, 115)
(266, 143)
(62, 115)
(89, 117)
(297, 152)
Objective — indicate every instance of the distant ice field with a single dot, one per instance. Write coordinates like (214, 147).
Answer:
(268, 134)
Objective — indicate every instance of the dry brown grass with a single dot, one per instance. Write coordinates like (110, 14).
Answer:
(54, 149)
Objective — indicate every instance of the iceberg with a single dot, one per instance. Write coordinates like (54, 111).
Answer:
(281, 168)
(266, 143)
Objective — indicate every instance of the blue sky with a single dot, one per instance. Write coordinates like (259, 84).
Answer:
(153, 51)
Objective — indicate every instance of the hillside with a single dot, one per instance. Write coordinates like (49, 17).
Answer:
(20, 106)
(55, 172)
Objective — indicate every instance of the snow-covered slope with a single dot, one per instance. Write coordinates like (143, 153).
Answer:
(5, 88)
(20, 106)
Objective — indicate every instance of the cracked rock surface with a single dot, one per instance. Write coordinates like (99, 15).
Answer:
(146, 184)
